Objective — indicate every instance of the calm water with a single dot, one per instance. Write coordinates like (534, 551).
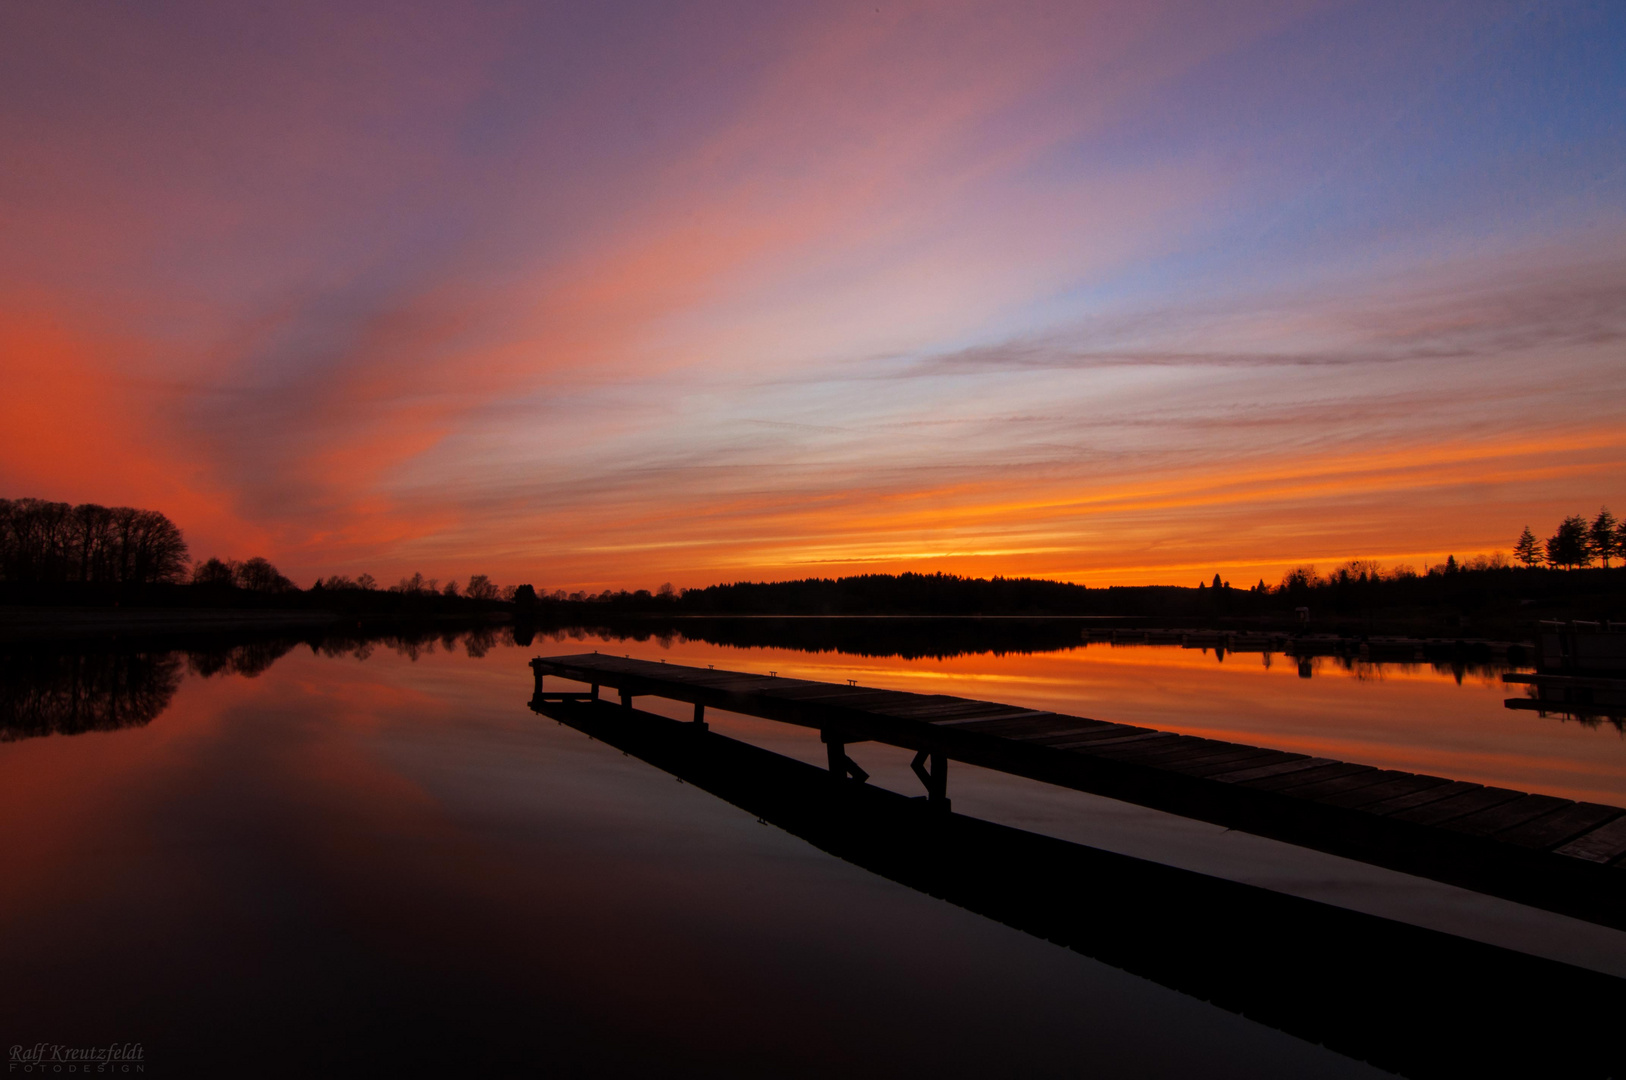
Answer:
(310, 862)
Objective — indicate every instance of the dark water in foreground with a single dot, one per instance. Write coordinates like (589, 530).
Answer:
(253, 862)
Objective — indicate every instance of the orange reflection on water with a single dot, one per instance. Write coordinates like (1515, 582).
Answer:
(1408, 717)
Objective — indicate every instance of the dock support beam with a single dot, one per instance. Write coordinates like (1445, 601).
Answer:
(936, 780)
(841, 766)
(699, 716)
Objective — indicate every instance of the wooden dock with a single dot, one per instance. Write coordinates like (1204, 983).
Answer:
(1550, 853)
(1411, 1000)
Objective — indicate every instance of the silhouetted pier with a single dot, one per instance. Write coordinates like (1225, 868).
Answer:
(1409, 999)
(1551, 853)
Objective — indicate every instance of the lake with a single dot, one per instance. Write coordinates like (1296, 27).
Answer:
(261, 858)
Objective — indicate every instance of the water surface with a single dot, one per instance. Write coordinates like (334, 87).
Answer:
(263, 856)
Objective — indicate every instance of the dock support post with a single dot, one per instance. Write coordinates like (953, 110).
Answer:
(936, 780)
(841, 766)
(699, 716)
(626, 699)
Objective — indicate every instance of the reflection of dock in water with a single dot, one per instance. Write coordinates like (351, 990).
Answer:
(1416, 1001)
(1580, 673)
(1539, 850)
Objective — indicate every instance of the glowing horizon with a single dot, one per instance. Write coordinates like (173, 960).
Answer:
(606, 297)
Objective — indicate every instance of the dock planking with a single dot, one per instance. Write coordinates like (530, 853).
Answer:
(1547, 852)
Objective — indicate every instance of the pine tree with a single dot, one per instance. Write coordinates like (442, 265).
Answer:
(1528, 549)
(1571, 545)
(1605, 538)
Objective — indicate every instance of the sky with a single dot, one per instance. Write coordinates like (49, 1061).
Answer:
(609, 295)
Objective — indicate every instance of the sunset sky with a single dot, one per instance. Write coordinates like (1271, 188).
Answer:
(606, 295)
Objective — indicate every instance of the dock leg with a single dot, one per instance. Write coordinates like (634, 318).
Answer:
(595, 691)
(699, 716)
(936, 780)
(841, 766)
(626, 699)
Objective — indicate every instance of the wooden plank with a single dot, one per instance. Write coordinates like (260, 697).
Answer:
(818, 692)
(1307, 776)
(1469, 802)
(1012, 714)
(1293, 764)
(1508, 815)
(734, 682)
(1088, 745)
(1150, 751)
(1007, 727)
(1560, 826)
(927, 710)
(1342, 785)
(1604, 844)
(1195, 752)
(1191, 744)
(1061, 735)
(1419, 798)
(1229, 765)
(854, 698)
(1112, 731)
(1401, 784)
(1114, 749)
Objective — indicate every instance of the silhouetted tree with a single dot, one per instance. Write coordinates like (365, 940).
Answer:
(219, 573)
(1605, 536)
(1299, 579)
(258, 575)
(1528, 549)
(1571, 545)
(44, 541)
(480, 588)
(450, 589)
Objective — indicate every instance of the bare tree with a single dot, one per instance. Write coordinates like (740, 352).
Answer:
(258, 575)
(53, 542)
(216, 573)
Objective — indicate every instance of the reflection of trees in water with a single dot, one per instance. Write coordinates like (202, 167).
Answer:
(248, 659)
(943, 638)
(69, 693)
(904, 637)
(97, 688)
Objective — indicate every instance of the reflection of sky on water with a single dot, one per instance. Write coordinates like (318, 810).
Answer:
(398, 859)
(385, 823)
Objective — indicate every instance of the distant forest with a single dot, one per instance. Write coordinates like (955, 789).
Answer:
(90, 554)
(55, 553)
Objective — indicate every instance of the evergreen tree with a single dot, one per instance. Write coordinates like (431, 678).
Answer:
(1571, 545)
(1604, 535)
(1528, 549)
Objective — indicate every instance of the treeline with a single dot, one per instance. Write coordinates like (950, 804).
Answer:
(44, 541)
(59, 553)
(865, 594)
(1576, 544)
